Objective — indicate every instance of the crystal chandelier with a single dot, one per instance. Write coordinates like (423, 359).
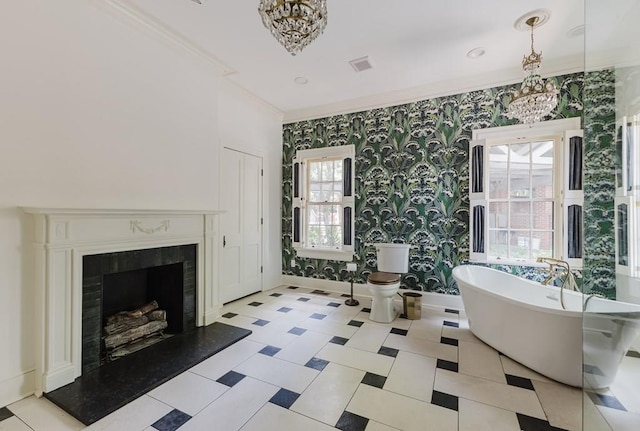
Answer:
(294, 23)
(535, 99)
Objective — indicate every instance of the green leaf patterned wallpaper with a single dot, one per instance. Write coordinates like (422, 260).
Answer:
(412, 178)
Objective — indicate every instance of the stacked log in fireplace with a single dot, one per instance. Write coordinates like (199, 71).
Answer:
(129, 331)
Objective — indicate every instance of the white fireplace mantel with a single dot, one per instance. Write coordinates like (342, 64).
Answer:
(64, 236)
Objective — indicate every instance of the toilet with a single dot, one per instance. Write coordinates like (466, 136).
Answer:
(393, 260)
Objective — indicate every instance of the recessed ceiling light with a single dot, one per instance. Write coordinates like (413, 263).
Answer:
(476, 53)
(301, 80)
(577, 31)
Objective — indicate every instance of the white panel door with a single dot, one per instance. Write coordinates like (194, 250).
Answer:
(241, 224)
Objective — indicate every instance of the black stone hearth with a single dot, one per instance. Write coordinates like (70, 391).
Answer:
(105, 389)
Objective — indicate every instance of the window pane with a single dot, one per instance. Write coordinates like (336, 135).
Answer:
(520, 243)
(519, 183)
(314, 192)
(314, 214)
(498, 215)
(542, 244)
(543, 215)
(337, 170)
(542, 169)
(314, 171)
(498, 243)
(327, 171)
(498, 158)
(520, 215)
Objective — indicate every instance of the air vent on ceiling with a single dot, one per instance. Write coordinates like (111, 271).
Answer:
(360, 64)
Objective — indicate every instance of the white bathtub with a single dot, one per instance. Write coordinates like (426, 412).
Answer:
(524, 320)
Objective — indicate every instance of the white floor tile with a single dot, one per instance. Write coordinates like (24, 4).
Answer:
(137, 415)
(329, 394)
(423, 347)
(412, 375)
(240, 321)
(234, 408)
(462, 334)
(480, 360)
(13, 424)
(401, 412)
(281, 373)
(593, 419)
(188, 392)
(369, 337)
(275, 418)
(620, 420)
(425, 329)
(481, 417)
(42, 415)
(562, 404)
(517, 369)
(220, 363)
(359, 359)
(626, 386)
(492, 393)
(304, 348)
(330, 327)
(270, 336)
(377, 426)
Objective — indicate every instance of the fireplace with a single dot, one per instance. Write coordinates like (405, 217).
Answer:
(122, 281)
(75, 264)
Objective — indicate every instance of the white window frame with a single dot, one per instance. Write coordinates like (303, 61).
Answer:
(558, 130)
(300, 181)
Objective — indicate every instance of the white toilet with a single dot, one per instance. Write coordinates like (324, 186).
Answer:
(393, 260)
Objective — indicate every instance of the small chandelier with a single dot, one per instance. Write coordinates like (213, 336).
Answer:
(294, 23)
(535, 99)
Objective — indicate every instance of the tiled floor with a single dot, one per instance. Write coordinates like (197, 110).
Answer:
(312, 363)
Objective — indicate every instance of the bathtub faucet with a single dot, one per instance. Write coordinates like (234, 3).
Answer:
(568, 279)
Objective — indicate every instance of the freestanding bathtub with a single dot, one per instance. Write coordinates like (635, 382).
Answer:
(523, 319)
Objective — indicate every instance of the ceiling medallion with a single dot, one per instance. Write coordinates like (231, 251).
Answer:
(535, 99)
(294, 23)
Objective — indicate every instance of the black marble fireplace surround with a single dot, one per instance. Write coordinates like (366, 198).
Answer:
(102, 389)
(113, 282)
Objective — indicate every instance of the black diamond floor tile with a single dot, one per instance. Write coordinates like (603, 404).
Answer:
(304, 299)
(449, 341)
(447, 365)
(229, 315)
(334, 304)
(255, 304)
(320, 292)
(297, 331)
(318, 316)
(633, 354)
(260, 322)
(270, 350)
(346, 295)
(592, 369)
(231, 378)
(339, 340)
(356, 323)
(444, 400)
(316, 363)
(276, 295)
(351, 422)
(452, 324)
(519, 382)
(606, 401)
(292, 287)
(452, 311)
(374, 380)
(366, 310)
(104, 390)
(284, 398)
(399, 331)
(284, 309)
(5, 413)
(528, 423)
(388, 351)
(171, 421)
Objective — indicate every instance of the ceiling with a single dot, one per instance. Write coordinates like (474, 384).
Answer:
(418, 48)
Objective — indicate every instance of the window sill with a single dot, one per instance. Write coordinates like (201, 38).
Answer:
(344, 256)
(518, 262)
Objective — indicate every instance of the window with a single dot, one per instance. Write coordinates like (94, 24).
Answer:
(323, 203)
(526, 193)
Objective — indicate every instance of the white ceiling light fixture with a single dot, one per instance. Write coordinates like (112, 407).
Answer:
(536, 98)
(294, 23)
(361, 64)
(476, 53)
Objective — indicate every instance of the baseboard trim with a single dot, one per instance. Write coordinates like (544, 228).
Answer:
(428, 298)
(17, 387)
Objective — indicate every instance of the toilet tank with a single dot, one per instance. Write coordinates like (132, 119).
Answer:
(392, 258)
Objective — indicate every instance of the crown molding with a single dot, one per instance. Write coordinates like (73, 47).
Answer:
(125, 9)
(429, 91)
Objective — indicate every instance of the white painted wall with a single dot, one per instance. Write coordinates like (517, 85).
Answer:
(96, 112)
